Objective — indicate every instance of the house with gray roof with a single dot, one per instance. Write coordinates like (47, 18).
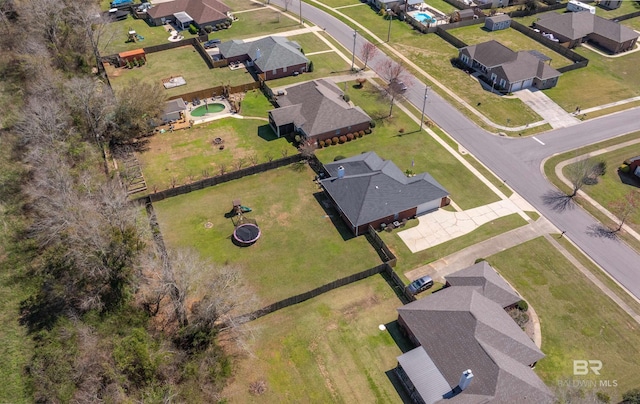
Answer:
(185, 12)
(368, 190)
(572, 29)
(273, 57)
(316, 110)
(469, 350)
(509, 70)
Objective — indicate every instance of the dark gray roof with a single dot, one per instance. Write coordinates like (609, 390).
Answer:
(499, 18)
(539, 55)
(460, 328)
(424, 375)
(580, 24)
(173, 108)
(202, 11)
(490, 54)
(269, 53)
(317, 107)
(373, 188)
(487, 281)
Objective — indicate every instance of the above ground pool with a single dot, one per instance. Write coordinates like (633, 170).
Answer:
(202, 110)
(424, 18)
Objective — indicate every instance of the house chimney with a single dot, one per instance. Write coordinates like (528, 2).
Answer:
(465, 379)
(340, 172)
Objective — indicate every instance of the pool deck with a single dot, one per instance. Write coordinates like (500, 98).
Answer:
(226, 112)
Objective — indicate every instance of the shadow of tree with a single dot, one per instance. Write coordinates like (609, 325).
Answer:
(558, 201)
(601, 231)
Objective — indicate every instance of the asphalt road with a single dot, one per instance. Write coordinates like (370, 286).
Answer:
(518, 161)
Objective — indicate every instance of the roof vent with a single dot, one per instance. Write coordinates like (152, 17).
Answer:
(340, 172)
(465, 379)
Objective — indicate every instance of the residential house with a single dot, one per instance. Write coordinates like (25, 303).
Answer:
(273, 57)
(185, 12)
(316, 110)
(509, 70)
(469, 350)
(611, 4)
(369, 191)
(174, 110)
(497, 22)
(571, 29)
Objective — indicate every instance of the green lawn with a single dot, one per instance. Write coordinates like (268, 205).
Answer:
(239, 5)
(255, 104)
(633, 23)
(340, 3)
(188, 155)
(514, 40)
(626, 7)
(184, 61)
(326, 350)
(577, 320)
(253, 23)
(301, 247)
(310, 42)
(408, 260)
(441, 5)
(426, 154)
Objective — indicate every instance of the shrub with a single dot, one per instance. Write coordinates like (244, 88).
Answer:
(192, 29)
(339, 157)
(349, 137)
(218, 26)
(372, 124)
(302, 51)
(401, 130)
(522, 305)
(142, 61)
(624, 168)
(335, 140)
(229, 21)
(310, 66)
(366, 131)
(346, 98)
(321, 143)
(600, 168)
(479, 260)
(226, 25)
(603, 397)
(129, 64)
(327, 142)
(342, 139)
(208, 28)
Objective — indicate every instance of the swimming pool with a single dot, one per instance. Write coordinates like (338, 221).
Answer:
(424, 17)
(202, 110)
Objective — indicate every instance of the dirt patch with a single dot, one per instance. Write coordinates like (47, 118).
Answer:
(350, 311)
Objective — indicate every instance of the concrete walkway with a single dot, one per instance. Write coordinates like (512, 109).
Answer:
(546, 108)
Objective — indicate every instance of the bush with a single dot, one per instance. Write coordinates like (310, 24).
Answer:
(134, 357)
(600, 168)
(624, 168)
(208, 29)
(631, 397)
(229, 21)
(327, 142)
(193, 29)
(142, 61)
(339, 157)
(335, 140)
(346, 98)
(603, 397)
(366, 131)
(321, 143)
(310, 66)
(401, 130)
(218, 26)
(479, 260)
(349, 137)
(522, 305)
(372, 124)
(342, 139)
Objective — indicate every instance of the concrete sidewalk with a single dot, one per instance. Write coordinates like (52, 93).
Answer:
(546, 108)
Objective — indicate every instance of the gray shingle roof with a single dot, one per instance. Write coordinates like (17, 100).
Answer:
(487, 281)
(317, 107)
(580, 24)
(490, 54)
(499, 18)
(373, 188)
(274, 52)
(202, 11)
(460, 328)
(425, 375)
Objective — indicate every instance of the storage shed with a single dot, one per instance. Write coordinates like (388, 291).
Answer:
(497, 22)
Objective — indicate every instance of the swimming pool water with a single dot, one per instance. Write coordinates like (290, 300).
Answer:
(424, 17)
(202, 110)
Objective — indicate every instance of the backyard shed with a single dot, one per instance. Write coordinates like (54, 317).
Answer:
(497, 22)
(130, 56)
(463, 15)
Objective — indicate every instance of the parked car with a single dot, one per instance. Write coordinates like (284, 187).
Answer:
(398, 85)
(420, 285)
(212, 43)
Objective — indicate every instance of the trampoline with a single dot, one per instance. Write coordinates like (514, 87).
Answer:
(246, 234)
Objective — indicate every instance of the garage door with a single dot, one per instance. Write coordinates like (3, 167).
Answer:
(516, 86)
(428, 206)
(527, 83)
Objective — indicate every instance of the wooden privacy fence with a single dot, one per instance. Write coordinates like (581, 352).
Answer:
(381, 248)
(442, 33)
(208, 182)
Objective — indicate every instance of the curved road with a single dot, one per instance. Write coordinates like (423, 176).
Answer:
(518, 161)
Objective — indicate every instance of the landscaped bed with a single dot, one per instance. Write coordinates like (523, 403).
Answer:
(326, 350)
(302, 245)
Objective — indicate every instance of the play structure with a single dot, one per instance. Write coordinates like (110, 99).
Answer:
(133, 36)
(246, 230)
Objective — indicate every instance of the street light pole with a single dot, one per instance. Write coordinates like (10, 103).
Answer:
(390, 18)
(424, 104)
(301, 20)
(353, 55)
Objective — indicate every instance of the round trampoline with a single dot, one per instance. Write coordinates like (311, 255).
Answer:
(246, 234)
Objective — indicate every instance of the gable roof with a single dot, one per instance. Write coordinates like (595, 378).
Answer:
(489, 54)
(580, 24)
(202, 11)
(317, 107)
(487, 281)
(269, 53)
(373, 188)
(498, 18)
(463, 327)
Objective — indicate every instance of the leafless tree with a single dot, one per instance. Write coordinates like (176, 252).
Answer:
(394, 73)
(239, 163)
(625, 208)
(581, 172)
(93, 103)
(287, 3)
(253, 159)
(368, 51)
(96, 26)
(138, 105)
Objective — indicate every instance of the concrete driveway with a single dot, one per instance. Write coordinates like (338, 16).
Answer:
(546, 108)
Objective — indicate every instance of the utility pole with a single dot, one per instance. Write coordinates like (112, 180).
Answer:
(353, 55)
(424, 104)
(301, 20)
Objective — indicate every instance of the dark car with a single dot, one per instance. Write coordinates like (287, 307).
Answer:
(212, 43)
(420, 285)
(398, 86)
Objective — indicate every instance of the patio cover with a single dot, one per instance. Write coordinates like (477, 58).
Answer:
(414, 2)
(183, 17)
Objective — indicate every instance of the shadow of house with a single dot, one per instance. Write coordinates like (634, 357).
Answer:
(368, 191)
(469, 348)
(273, 57)
(184, 12)
(509, 70)
(316, 110)
(572, 29)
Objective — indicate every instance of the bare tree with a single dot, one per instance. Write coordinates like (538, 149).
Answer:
(368, 51)
(625, 208)
(394, 73)
(581, 173)
(93, 103)
(287, 3)
(96, 26)
(138, 105)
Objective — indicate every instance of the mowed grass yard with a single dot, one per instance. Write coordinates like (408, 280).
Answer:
(310, 42)
(326, 350)
(577, 320)
(301, 246)
(184, 61)
(410, 146)
(188, 155)
(257, 22)
(324, 65)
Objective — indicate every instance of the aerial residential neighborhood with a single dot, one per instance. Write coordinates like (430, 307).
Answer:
(423, 201)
